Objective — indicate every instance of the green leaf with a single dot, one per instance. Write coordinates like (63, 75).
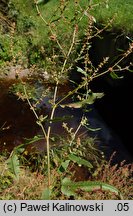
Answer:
(80, 70)
(69, 187)
(46, 194)
(21, 148)
(115, 76)
(66, 188)
(130, 39)
(13, 165)
(63, 167)
(73, 105)
(92, 129)
(93, 96)
(130, 70)
(34, 139)
(90, 100)
(63, 118)
(79, 160)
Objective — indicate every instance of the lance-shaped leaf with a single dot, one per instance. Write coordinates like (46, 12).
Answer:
(13, 165)
(115, 76)
(80, 70)
(34, 139)
(79, 160)
(89, 100)
(69, 187)
(73, 105)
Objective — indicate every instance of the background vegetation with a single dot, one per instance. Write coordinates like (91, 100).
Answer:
(21, 25)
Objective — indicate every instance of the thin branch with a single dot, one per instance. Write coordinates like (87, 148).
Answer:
(110, 69)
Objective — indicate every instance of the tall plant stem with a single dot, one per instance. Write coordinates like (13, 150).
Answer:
(48, 134)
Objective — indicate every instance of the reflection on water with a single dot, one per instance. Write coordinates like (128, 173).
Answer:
(18, 122)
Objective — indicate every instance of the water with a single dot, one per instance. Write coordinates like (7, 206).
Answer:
(18, 122)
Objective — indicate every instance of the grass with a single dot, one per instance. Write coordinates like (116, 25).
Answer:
(29, 186)
(32, 185)
(120, 9)
(102, 10)
(31, 37)
(51, 13)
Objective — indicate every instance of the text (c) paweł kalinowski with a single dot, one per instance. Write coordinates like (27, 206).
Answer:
(61, 207)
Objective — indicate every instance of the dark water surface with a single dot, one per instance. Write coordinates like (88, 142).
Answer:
(18, 122)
